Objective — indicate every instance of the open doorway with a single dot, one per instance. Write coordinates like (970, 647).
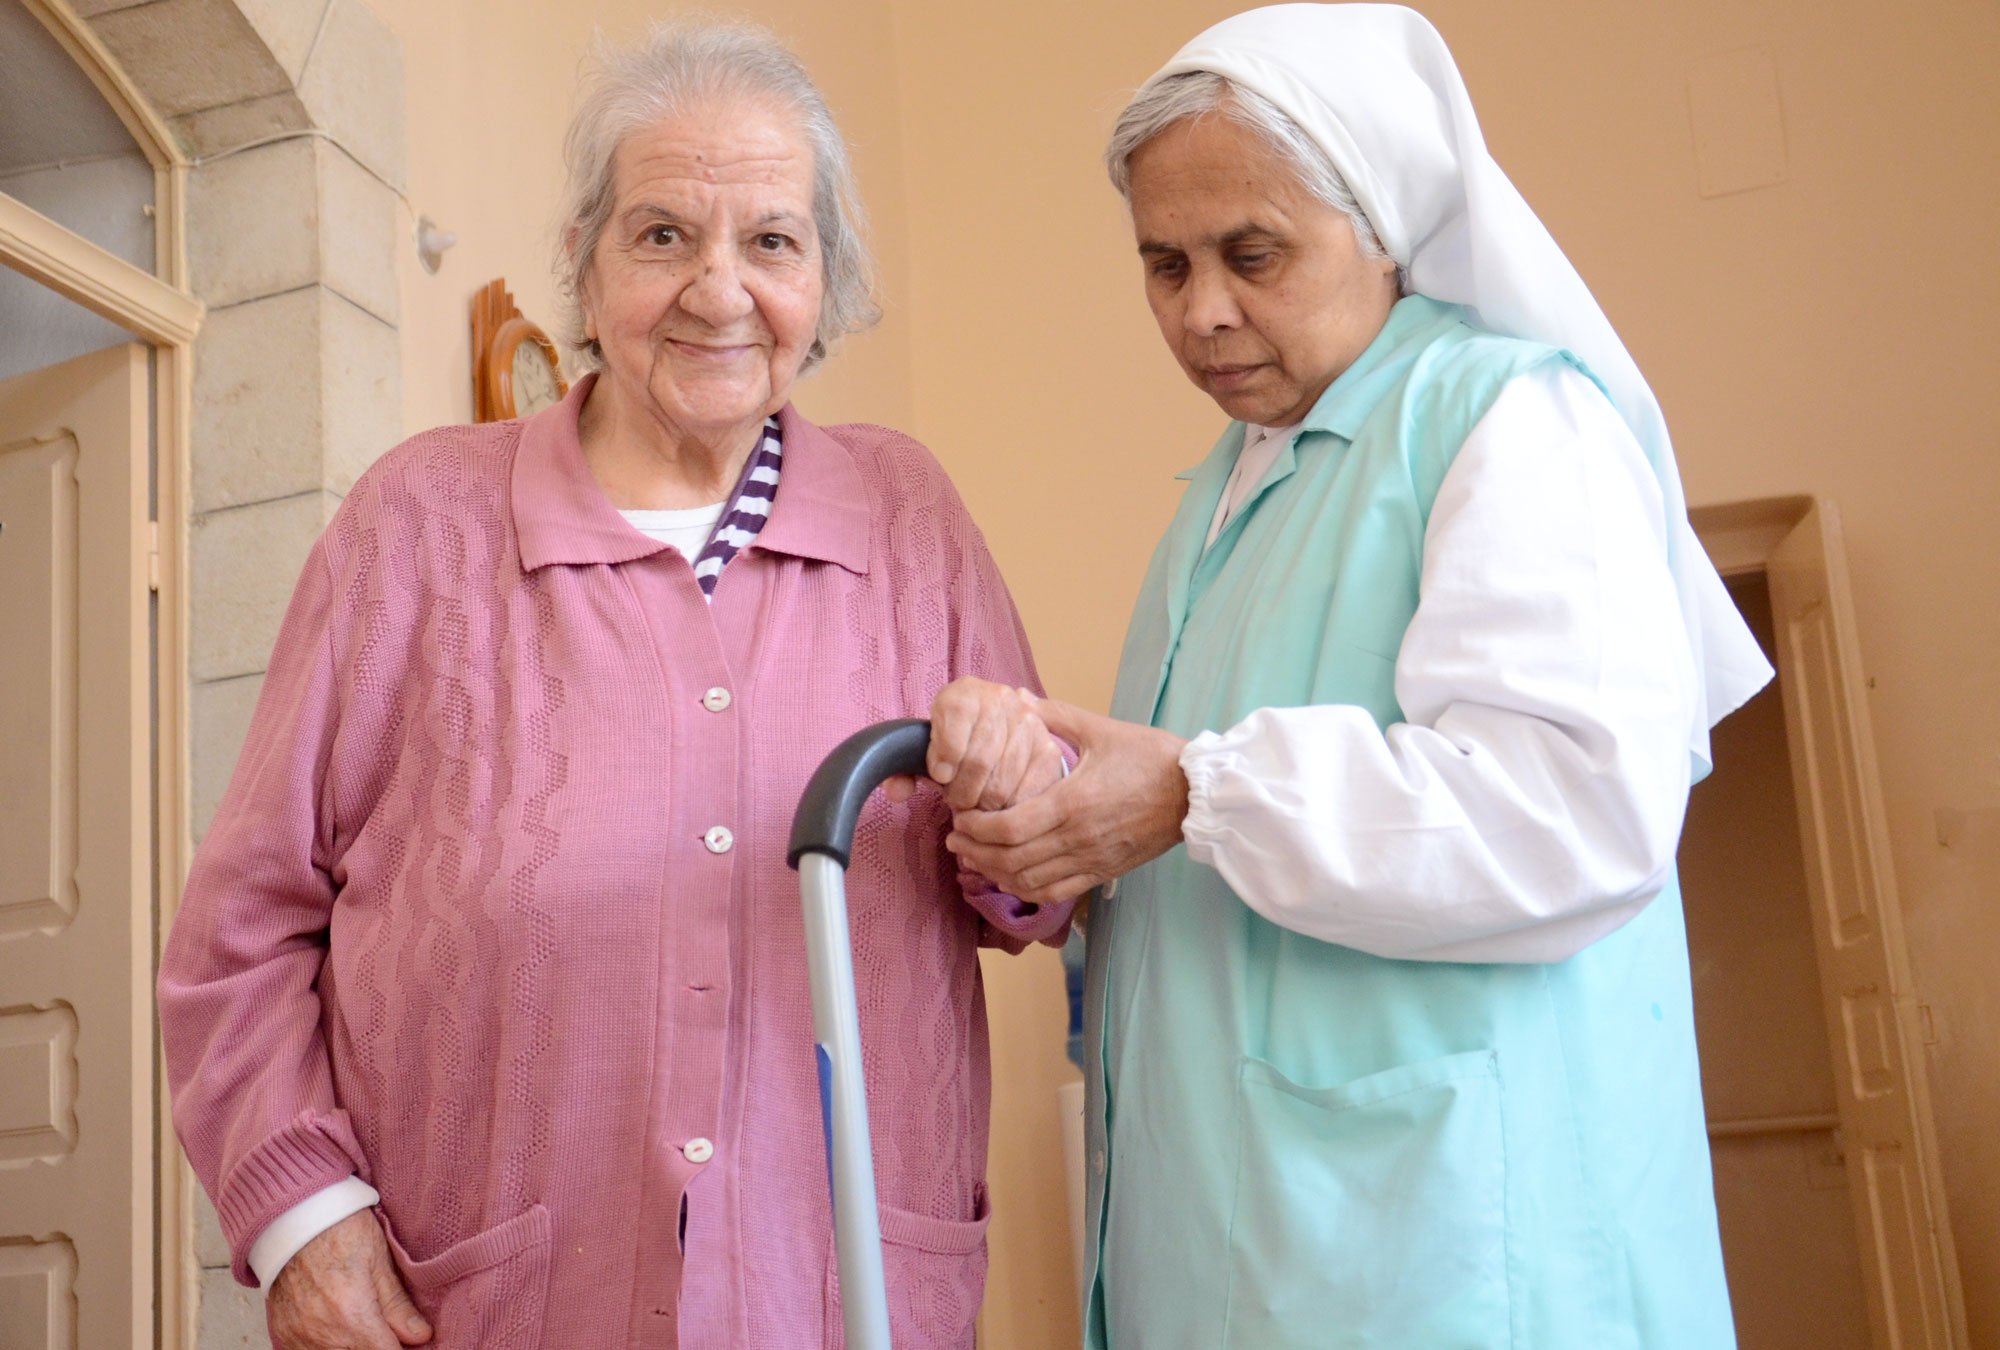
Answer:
(1832, 1206)
(1767, 1066)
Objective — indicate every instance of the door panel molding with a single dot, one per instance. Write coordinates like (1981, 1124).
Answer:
(38, 609)
(38, 1065)
(38, 1294)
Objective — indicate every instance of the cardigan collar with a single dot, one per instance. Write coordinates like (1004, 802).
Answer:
(562, 517)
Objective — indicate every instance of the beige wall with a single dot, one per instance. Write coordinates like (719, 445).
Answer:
(1827, 334)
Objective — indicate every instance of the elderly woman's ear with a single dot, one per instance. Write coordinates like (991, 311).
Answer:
(571, 238)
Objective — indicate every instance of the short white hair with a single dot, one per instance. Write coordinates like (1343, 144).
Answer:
(672, 68)
(1199, 93)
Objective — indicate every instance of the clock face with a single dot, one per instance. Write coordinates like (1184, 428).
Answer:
(535, 386)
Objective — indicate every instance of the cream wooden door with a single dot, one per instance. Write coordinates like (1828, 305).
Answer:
(76, 929)
(1911, 1273)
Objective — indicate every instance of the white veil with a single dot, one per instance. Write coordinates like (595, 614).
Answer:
(1376, 87)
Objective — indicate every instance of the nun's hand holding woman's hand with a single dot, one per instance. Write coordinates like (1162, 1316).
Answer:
(988, 748)
(1122, 806)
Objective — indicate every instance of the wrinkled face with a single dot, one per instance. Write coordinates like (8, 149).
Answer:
(1259, 288)
(705, 288)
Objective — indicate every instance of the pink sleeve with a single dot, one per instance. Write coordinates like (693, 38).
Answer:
(990, 642)
(240, 1017)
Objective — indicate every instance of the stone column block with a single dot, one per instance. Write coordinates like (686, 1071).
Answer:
(257, 421)
(361, 225)
(254, 223)
(211, 1249)
(288, 28)
(245, 562)
(353, 86)
(292, 214)
(219, 713)
(192, 54)
(361, 391)
(213, 130)
(232, 1317)
(292, 393)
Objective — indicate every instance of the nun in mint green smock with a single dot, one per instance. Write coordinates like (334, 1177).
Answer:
(1391, 1045)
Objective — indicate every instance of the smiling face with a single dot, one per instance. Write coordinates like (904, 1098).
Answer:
(1260, 289)
(704, 292)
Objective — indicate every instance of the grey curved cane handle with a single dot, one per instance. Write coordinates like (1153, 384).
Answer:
(842, 783)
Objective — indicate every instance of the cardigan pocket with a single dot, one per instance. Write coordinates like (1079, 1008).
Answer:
(1371, 1213)
(487, 1292)
(936, 1273)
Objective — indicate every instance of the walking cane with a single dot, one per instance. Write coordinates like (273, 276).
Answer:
(822, 839)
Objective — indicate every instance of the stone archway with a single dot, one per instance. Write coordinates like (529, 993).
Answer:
(289, 114)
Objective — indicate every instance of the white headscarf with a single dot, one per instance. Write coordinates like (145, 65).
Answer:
(1376, 87)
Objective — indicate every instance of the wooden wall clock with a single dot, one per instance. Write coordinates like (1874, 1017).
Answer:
(516, 371)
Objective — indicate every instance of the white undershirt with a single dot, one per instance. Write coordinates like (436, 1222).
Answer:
(1260, 451)
(686, 530)
(283, 1236)
(1531, 801)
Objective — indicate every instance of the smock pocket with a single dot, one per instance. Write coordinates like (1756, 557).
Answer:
(935, 1270)
(1372, 1213)
(487, 1292)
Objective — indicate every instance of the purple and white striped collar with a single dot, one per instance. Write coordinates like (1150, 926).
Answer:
(748, 510)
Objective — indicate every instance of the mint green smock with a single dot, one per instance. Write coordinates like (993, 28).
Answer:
(1294, 1144)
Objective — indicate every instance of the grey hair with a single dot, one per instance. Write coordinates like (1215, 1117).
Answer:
(683, 64)
(1198, 93)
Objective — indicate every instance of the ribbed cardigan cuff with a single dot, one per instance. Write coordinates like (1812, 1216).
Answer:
(1021, 925)
(305, 1157)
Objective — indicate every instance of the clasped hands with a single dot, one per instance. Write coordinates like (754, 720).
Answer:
(1017, 821)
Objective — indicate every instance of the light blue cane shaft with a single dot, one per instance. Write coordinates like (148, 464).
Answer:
(857, 1228)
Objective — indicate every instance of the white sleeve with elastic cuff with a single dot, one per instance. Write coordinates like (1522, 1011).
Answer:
(1531, 802)
(285, 1235)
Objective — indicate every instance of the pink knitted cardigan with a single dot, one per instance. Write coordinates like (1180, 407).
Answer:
(465, 924)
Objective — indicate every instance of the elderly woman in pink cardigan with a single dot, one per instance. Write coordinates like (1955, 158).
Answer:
(486, 1012)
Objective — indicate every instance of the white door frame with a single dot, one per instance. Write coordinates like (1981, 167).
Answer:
(158, 307)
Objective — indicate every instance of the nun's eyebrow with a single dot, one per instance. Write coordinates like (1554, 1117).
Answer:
(1249, 232)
